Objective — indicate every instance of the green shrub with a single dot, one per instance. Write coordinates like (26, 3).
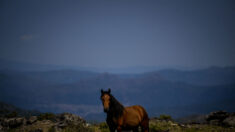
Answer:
(103, 127)
(52, 129)
(12, 114)
(47, 116)
(165, 117)
(78, 128)
(159, 126)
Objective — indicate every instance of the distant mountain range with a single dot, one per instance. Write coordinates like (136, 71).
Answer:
(26, 66)
(7, 110)
(175, 92)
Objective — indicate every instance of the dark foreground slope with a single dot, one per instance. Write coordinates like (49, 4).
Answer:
(67, 122)
(7, 110)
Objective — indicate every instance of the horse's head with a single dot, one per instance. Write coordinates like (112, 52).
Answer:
(105, 98)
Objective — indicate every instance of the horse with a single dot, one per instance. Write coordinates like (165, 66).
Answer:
(122, 118)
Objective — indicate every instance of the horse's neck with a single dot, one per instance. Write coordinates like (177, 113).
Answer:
(116, 109)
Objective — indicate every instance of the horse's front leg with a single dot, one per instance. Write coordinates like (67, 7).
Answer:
(111, 129)
(111, 126)
(119, 129)
(136, 129)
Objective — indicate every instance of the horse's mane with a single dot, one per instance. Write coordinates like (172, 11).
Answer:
(116, 108)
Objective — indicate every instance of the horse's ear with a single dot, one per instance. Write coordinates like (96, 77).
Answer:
(109, 90)
(102, 91)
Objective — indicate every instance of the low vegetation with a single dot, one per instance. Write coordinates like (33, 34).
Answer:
(170, 126)
(66, 122)
(47, 116)
(165, 117)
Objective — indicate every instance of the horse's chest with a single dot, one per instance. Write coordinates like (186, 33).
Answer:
(118, 121)
(115, 120)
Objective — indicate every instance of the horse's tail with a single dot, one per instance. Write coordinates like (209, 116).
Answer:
(145, 122)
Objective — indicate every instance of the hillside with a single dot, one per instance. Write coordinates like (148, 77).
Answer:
(67, 122)
(174, 92)
(211, 76)
(7, 110)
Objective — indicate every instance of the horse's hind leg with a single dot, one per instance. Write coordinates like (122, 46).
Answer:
(145, 125)
(145, 128)
(111, 129)
(136, 129)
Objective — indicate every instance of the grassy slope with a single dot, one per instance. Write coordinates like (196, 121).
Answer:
(155, 126)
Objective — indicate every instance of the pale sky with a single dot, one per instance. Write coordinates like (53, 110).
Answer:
(121, 33)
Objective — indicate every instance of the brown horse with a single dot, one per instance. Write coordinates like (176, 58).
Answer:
(123, 118)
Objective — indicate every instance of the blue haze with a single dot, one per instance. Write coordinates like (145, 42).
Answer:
(119, 34)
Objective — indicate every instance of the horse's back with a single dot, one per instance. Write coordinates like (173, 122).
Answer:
(134, 115)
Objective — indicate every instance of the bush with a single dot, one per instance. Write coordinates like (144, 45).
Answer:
(103, 127)
(78, 128)
(165, 117)
(52, 129)
(159, 126)
(47, 116)
(12, 114)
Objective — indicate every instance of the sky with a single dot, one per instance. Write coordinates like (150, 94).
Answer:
(119, 33)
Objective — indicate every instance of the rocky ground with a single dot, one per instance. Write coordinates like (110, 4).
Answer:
(46, 122)
(219, 121)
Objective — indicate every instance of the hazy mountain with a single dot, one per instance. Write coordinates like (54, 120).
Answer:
(174, 92)
(8, 110)
(210, 76)
(26, 66)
